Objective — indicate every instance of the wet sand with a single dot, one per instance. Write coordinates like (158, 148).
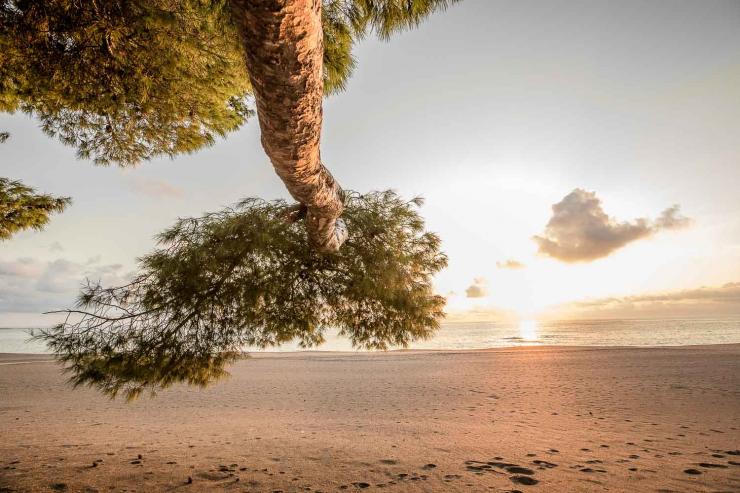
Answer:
(525, 419)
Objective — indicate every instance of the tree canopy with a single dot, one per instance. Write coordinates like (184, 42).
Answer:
(21, 207)
(124, 81)
(243, 277)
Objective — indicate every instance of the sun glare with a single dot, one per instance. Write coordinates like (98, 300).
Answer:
(528, 330)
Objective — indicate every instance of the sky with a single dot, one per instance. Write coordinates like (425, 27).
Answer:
(577, 159)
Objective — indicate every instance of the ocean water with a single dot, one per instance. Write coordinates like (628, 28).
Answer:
(480, 335)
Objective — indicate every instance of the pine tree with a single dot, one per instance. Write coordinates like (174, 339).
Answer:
(124, 81)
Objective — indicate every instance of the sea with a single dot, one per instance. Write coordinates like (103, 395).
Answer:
(481, 335)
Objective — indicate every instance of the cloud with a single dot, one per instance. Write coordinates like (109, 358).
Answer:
(671, 218)
(509, 264)
(727, 293)
(56, 275)
(154, 188)
(709, 301)
(56, 247)
(479, 288)
(580, 231)
(28, 285)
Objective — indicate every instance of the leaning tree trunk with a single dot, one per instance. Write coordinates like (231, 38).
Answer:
(283, 40)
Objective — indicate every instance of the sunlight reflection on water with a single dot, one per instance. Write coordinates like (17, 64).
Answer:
(528, 330)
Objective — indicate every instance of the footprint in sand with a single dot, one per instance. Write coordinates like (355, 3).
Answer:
(525, 480)
(522, 475)
(712, 465)
(543, 464)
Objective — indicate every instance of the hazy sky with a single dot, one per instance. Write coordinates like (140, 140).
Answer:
(493, 111)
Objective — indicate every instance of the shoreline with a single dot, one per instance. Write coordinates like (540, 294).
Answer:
(524, 347)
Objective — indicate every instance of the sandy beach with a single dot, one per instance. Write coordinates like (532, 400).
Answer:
(526, 419)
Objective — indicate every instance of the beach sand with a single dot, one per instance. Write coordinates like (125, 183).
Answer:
(543, 419)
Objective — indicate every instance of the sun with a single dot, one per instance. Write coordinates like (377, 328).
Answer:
(528, 330)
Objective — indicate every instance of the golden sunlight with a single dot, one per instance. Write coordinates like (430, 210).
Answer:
(528, 330)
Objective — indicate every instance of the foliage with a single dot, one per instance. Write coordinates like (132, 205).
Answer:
(125, 81)
(244, 277)
(22, 208)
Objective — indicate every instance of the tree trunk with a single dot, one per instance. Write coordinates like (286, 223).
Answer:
(283, 40)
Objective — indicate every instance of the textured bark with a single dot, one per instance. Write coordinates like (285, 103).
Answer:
(283, 41)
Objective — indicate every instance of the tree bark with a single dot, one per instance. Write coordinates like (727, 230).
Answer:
(283, 40)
